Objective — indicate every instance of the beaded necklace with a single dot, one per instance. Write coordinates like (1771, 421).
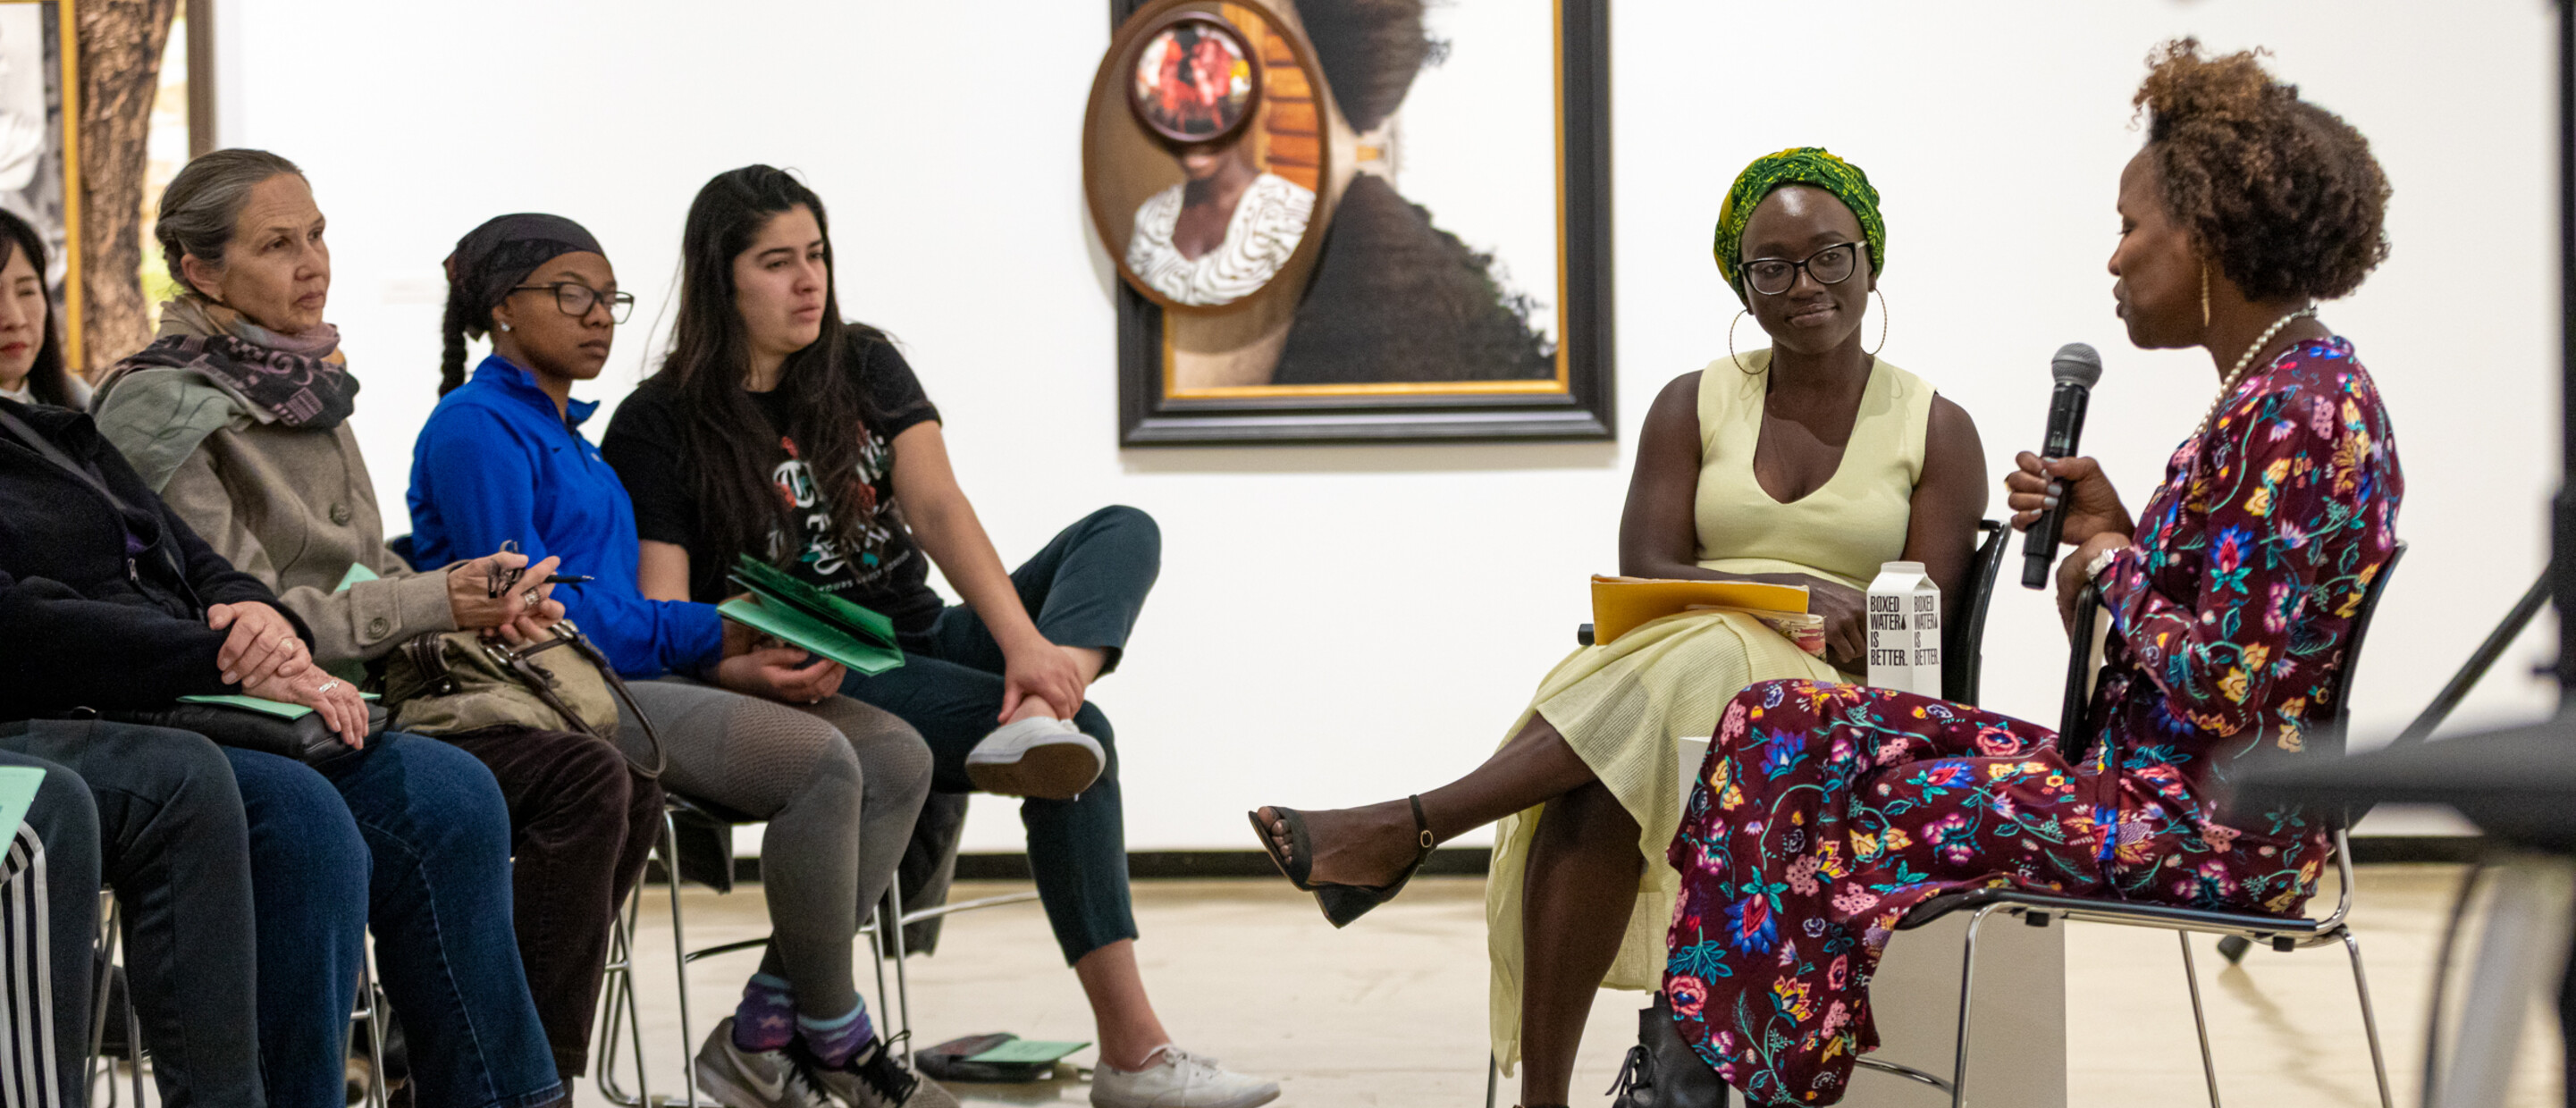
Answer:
(2245, 361)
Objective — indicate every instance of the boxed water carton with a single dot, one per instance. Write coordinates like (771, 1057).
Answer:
(1905, 629)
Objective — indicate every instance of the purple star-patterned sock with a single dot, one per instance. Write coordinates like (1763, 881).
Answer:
(835, 1041)
(766, 1018)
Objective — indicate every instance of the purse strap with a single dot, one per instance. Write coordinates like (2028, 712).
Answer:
(581, 645)
(46, 449)
(125, 512)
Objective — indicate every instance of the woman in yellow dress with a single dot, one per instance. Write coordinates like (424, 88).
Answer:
(1811, 463)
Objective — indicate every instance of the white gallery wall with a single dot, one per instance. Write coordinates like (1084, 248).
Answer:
(1338, 624)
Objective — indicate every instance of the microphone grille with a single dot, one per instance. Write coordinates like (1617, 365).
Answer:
(2076, 363)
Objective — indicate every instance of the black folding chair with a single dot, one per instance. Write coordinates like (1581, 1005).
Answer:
(2323, 738)
(697, 845)
(364, 1018)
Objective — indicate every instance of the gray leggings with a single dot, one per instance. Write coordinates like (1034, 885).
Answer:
(840, 784)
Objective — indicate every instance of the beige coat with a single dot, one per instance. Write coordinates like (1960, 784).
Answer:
(292, 507)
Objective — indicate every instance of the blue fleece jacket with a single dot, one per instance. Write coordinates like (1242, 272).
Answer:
(496, 462)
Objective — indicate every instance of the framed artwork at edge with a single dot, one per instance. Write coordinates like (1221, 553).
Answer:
(40, 144)
(1372, 282)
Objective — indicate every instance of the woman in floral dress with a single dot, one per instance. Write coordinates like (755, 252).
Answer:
(1824, 813)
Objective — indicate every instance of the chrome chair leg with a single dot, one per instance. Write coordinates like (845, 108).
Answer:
(902, 980)
(2199, 1021)
(1967, 994)
(375, 1026)
(2369, 1019)
(134, 1044)
(875, 931)
(680, 957)
(105, 961)
(620, 1011)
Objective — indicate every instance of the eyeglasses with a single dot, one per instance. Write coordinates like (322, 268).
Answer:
(1832, 265)
(577, 299)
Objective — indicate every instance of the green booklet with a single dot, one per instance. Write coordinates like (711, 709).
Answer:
(17, 794)
(1028, 1051)
(810, 619)
(278, 708)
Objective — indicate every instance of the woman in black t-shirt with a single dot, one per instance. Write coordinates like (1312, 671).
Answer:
(774, 429)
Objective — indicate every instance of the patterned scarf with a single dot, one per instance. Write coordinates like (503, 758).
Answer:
(298, 380)
(1801, 165)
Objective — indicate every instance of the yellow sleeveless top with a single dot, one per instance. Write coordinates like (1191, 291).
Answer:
(1840, 532)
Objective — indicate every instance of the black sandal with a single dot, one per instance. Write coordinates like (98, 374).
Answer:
(1341, 903)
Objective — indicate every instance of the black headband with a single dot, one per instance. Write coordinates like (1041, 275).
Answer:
(492, 259)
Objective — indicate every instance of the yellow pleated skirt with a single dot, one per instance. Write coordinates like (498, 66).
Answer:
(1623, 707)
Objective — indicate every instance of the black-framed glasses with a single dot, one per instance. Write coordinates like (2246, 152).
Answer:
(1832, 265)
(576, 299)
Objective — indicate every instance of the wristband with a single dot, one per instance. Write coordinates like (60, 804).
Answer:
(2102, 561)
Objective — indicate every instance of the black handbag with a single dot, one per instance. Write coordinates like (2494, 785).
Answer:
(306, 739)
(1662, 1071)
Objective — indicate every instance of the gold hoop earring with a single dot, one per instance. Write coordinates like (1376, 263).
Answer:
(1882, 324)
(2204, 298)
(1730, 344)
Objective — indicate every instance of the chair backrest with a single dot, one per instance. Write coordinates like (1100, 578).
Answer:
(2325, 725)
(1963, 639)
(2326, 729)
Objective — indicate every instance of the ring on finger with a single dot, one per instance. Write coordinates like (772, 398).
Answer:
(327, 686)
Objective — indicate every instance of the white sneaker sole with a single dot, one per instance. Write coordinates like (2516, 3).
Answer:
(1049, 764)
(1253, 1099)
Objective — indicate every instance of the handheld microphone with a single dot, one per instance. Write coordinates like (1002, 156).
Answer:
(2076, 366)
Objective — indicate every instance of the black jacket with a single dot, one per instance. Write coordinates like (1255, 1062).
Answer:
(82, 623)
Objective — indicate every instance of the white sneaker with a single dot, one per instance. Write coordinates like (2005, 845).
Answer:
(1177, 1078)
(1046, 758)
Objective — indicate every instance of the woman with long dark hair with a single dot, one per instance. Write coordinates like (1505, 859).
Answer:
(756, 732)
(774, 429)
(31, 354)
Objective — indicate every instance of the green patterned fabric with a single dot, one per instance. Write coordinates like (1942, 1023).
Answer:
(1801, 165)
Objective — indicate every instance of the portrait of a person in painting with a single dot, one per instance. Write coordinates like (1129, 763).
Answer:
(1228, 227)
(1395, 297)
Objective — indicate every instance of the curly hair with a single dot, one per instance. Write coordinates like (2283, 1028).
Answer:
(2282, 194)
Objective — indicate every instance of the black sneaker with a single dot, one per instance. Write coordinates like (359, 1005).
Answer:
(872, 1078)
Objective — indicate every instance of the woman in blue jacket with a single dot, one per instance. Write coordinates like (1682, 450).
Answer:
(755, 730)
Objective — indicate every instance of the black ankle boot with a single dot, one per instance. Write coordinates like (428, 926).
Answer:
(1662, 1071)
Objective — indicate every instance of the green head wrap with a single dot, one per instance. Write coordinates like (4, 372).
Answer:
(1803, 165)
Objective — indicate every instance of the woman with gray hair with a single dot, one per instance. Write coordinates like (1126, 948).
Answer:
(237, 416)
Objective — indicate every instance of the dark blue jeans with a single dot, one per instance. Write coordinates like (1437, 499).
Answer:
(1084, 589)
(161, 823)
(410, 837)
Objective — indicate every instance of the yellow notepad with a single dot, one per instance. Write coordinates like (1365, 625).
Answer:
(1619, 604)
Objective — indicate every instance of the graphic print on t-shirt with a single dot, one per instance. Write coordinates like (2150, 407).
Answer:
(825, 561)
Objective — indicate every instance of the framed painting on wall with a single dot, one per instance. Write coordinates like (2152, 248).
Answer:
(40, 145)
(1356, 220)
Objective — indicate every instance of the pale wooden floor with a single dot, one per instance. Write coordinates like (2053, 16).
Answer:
(1392, 1010)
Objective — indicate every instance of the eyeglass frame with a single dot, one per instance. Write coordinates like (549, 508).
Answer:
(614, 300)
(1859, 251)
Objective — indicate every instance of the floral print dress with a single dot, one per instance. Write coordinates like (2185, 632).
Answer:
(1824, 813)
